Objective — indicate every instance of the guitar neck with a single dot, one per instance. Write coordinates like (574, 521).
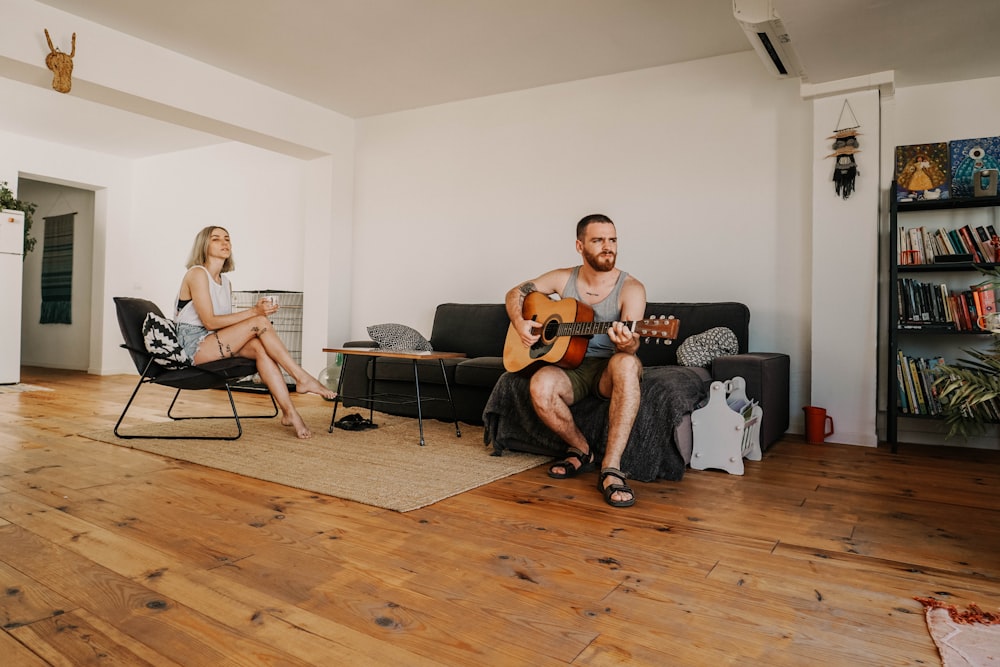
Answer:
(589, 328)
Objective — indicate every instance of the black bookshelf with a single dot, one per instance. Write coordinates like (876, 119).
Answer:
(928, 332)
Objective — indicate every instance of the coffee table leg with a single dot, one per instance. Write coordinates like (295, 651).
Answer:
(447, 388)
(416, 388)
(340, 384)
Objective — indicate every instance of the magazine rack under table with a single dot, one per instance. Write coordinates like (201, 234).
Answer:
(372, 399)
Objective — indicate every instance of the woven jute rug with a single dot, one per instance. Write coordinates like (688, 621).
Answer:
(969, 638)
(384, 467)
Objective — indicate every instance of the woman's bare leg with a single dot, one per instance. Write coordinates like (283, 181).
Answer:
(272, 376)
(231, 340)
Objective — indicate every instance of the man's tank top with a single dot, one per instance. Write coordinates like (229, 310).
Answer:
(222, 301)
(606, 310)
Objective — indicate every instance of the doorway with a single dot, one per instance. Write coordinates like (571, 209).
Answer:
(63, 346)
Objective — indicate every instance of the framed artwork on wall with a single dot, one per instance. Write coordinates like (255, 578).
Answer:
(922, 171)
(968, 157)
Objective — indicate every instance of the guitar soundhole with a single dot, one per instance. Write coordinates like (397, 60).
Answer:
(550, 331)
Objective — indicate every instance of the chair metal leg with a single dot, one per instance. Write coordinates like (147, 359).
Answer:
(234, 416)
(274, 405)
(121, 417)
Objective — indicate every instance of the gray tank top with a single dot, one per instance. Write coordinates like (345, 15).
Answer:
(606, 310)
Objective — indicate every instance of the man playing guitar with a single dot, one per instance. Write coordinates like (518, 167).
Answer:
(610, 368)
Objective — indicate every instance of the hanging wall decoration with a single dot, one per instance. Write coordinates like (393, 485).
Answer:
(845, 145)
(61, 65)
(57, 270)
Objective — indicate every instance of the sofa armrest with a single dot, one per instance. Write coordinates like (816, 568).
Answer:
(767, 378)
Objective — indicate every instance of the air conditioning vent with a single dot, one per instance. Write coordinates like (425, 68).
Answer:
(768, 37)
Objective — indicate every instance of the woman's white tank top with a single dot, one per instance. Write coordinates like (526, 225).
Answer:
(222, 301)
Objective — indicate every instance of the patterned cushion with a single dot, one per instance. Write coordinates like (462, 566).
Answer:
(398, 337)
(701, 349)
(160, 337)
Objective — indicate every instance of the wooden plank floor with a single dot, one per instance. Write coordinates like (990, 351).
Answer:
(113, 556)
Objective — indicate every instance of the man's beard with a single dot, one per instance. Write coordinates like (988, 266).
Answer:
(600, 261)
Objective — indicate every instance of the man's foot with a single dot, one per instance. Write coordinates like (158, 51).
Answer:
(294, 420)
(574, 463)
(310, 385)
(616, 495)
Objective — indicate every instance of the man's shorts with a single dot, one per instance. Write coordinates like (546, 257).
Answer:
(586, 377)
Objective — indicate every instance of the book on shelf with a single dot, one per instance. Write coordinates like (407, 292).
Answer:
(922, 305)
(957, 242)
(918, 388)
(915, 378)
(983, 236)
(987, 297)
(945, 242)
(970, 242)
(919, 245)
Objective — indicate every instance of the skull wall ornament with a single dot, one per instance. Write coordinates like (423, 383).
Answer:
(61, 65)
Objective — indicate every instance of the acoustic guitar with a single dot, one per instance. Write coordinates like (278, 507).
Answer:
(566, 325)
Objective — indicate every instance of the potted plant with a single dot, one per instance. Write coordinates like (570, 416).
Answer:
(10, 202)
(967, 389)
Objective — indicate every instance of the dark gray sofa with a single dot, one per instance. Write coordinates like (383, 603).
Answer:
(479, 330)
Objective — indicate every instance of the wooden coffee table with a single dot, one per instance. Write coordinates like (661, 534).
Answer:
(372, 399)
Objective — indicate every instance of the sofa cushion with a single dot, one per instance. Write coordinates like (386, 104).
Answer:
(479, 372)
(477, 329)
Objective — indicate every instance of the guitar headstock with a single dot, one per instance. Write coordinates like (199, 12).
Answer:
(662, 329)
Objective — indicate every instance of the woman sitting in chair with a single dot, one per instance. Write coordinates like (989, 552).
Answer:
(209, 330)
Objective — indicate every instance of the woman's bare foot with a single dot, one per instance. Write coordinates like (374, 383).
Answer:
(294, 420)
(310, 385)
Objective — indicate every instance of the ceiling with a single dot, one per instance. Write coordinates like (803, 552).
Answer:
(367, 57)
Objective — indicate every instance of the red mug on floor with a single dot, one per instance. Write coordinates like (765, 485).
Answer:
(816, 424)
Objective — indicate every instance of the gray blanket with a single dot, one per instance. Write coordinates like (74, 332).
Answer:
(668, 393)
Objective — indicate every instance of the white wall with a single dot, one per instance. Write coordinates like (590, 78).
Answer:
(146, 213)
(261, 198)
(704, 166)
(281, 167)
(58, 345)
(110, 178)
(844, 269)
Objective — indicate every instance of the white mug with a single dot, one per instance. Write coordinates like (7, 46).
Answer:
(989, 322)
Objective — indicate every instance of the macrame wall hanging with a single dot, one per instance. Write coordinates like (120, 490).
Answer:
(845, 145)
(61, 65)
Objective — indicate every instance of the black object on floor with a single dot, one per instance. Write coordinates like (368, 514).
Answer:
(354, 422)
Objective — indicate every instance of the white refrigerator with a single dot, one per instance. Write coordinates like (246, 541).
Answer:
(11, 270)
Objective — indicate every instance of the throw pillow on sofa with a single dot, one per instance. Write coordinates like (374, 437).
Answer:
(398, 337)
(701, 349)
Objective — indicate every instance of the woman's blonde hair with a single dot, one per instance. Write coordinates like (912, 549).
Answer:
(199, 251)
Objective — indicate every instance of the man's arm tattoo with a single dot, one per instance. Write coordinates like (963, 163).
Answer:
(527, 288)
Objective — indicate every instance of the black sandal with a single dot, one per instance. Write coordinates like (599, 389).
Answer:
(586, 461)
(354, 422)
(611, 489)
